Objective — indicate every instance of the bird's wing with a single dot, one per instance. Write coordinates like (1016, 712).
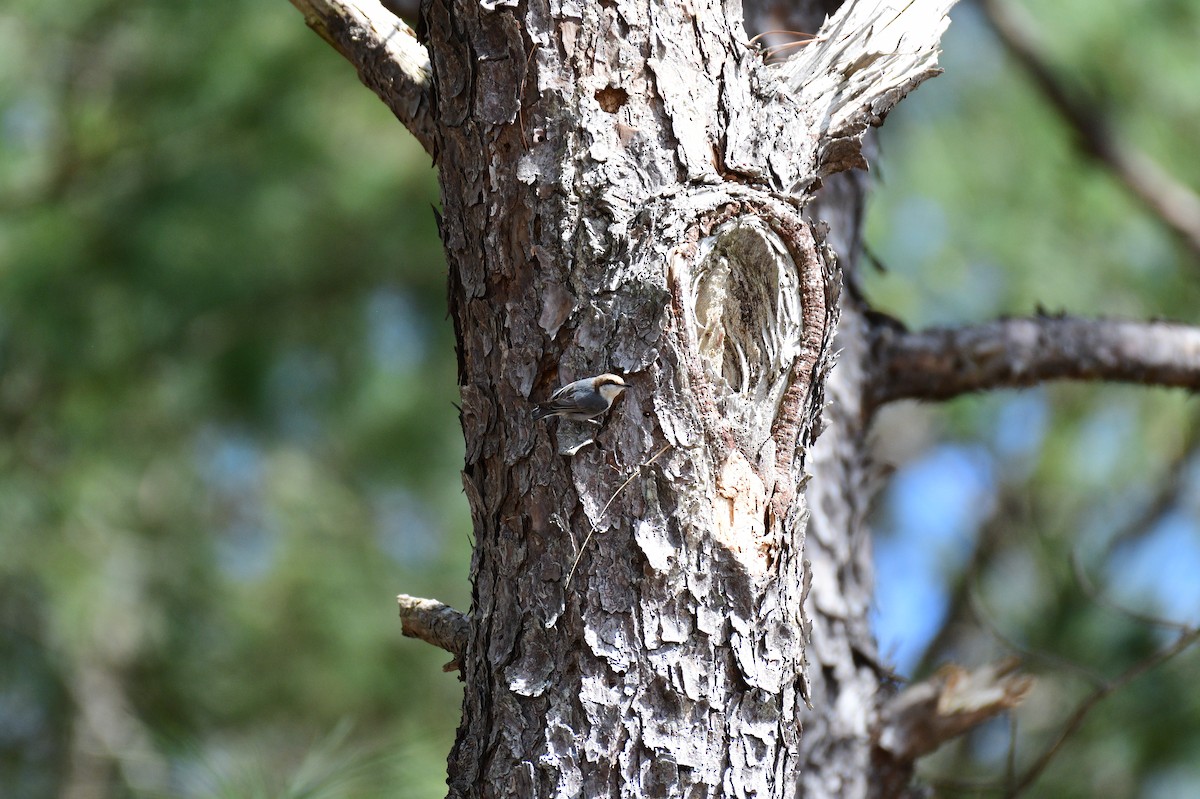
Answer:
(557, 395)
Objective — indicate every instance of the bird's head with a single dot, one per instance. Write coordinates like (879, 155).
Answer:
(610, 386)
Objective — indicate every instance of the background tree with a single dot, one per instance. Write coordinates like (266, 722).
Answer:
(198, 490)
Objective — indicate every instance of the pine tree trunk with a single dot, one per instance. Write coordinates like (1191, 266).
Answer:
(624, 187)
(607, 240)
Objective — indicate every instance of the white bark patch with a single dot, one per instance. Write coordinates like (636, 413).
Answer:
(562, 745)
(526, 684)
(654, 543)
(739, 513)
(609, 639)
(687, 737)
(670, 623)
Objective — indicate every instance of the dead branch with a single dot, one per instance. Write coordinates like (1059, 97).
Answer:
(385, 52)
(987, 547)
(942, 363)
(1176, 205)
(1092, 592)
(1102, 687)
(865, 59)
(435, 623)
(924, 716)
(1029, 654)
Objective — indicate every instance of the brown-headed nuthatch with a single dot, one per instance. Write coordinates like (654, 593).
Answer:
(583, 399)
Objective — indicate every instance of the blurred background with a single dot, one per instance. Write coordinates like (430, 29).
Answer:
(227, 437)
(226, 431)
(1022, 522)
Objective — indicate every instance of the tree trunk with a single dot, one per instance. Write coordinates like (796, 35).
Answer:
(618, 196)
(623, 188)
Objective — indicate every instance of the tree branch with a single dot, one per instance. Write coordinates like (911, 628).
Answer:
(1102, 687)
(1173, 203)
(987, 547)
(942, 363)
(435, 623)
(385, 51)
(924, 716)
(1097, 596)
(866, 58)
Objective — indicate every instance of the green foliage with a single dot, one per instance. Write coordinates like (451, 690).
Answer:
(227, 437)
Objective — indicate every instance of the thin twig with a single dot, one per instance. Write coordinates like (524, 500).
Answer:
(1167, 494)
(1029, 653)
(965, 786)
(521, 103)
(775, 49)
(1104, 689)
(600, 515)
(986, 547)
(1091, 592)
(758, 36)
(1085, 707)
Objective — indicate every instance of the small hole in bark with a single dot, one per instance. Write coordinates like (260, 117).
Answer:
(611, 98)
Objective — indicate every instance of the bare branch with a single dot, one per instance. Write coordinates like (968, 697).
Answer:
(942, 363)
(987, 546)
(863, 61)
(1173, 203)
(1102, 688)
(924, 716)
(435, 623)
(1011, 509)
(385, 51)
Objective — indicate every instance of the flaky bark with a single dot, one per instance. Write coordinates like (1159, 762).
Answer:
(622, 188)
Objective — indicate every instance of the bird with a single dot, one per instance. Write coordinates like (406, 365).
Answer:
(582, 400)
